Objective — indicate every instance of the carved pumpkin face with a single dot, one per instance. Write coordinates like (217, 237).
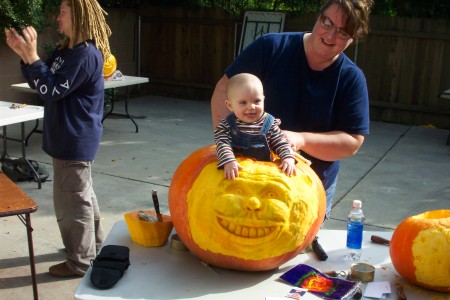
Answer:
(420, 249)
(109, 66)
(254, 222)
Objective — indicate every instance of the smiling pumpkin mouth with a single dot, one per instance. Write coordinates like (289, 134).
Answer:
(246, 231)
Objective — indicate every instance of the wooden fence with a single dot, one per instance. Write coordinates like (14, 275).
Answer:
(185, 51)
(407, 65)
(406, 61)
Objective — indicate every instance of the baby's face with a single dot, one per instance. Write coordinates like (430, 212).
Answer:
(247, 103)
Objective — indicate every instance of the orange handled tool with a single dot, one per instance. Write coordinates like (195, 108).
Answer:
(379, 240)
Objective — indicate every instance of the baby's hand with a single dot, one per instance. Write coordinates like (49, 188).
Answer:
(231, 170)
(287, 165)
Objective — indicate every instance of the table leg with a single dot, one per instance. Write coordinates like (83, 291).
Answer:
(112, 107)
(31, 252)
(30, 167)
(110, 112)
(33, 131)
(129, 116)
(5, 150)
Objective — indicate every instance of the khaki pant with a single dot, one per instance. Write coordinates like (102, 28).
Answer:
(77, 212)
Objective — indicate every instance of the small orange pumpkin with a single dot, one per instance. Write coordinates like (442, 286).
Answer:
(109, 66)
(255, 222)
(420, 249)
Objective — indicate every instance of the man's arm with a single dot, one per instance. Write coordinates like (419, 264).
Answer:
(327, 146)
(218, 109)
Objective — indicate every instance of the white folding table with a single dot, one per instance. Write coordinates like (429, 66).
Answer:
(13, 113)
(167, 273)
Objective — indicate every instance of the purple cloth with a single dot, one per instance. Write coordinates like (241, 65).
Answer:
(319, 284)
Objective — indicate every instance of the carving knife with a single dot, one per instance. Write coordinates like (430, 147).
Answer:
(156, 205)
(318, 250)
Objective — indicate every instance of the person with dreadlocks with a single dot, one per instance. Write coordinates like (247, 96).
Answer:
(71, 87)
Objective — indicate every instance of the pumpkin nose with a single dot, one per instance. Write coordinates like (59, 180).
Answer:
(252, 203)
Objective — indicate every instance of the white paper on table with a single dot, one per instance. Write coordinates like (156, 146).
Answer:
(294, 293)
(377, 289)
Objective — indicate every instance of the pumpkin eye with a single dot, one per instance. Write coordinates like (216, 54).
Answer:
(270, 194)
(238, 192)
(274, 195)
(235, 189)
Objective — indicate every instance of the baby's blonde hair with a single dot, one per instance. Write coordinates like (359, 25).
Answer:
(242, 80)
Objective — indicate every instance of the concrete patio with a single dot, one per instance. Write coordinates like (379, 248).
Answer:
(400, 171)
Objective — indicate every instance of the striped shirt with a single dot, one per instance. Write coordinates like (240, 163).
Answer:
(275, 139)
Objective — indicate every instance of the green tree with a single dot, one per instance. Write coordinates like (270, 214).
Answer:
(20, 13)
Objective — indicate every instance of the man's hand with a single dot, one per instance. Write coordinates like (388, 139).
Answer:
(231, 170)
(295, 139)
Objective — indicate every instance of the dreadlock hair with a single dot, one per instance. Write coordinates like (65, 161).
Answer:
(88, 22)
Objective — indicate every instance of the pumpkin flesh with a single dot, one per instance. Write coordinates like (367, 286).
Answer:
(250, 212)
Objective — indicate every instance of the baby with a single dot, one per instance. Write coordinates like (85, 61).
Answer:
(249, 130)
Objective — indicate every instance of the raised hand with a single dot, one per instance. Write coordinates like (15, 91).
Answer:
(14, 41)
(30, 47)
(24, 45)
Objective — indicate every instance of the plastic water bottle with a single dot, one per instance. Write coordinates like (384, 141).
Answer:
(355, 226)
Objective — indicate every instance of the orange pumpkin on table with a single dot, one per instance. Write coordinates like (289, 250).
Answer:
(109, 66)
(420, 249)
(255, 222)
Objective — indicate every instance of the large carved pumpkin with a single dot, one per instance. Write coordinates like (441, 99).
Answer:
(255, 222)
(420, 249)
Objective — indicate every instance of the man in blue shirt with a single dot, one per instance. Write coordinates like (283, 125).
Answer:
(318, 93)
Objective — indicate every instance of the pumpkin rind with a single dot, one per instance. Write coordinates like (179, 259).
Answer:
(228, 237)
(420, 249)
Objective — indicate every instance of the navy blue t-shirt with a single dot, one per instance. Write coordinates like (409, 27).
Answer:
(71, 86)
(307, 100)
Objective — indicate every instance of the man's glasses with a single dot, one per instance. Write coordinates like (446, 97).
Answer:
(328, 25)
